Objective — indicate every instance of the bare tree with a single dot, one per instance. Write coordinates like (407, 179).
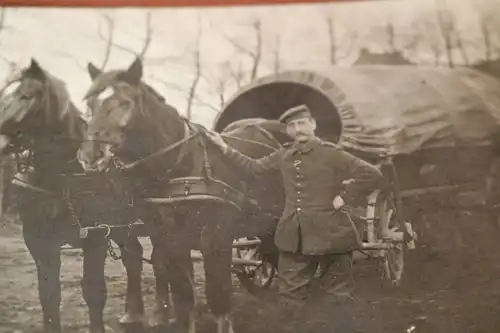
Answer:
(220, 80)
(3, 13)
(391, 36)
(486, 34)
(445, 24)
(423, 34)
(148, 37)
(107, 37)
(461, 45)
(277, 54)
(450, 33)
(332, 40)
(489, 27)
(336, 43)
(434, 42)
(196, 99)
(237, 73)
(192, 97)
(11, 65)
(3, 26)
(254, 53)
(197, 63)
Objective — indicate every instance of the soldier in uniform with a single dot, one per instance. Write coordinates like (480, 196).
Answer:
(319, 178)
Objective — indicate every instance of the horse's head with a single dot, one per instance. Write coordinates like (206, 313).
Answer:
(129, 118)
(30, 103)
(113, 98)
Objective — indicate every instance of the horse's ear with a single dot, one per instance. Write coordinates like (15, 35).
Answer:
(133, 75)
(35, 70)
(94, 72)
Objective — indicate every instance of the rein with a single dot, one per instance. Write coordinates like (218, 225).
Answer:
(187, 137)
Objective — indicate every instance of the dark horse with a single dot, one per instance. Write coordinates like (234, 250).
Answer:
(38, 117)
(194, 197)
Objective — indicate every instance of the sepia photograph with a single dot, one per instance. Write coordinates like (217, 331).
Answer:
(308, 168)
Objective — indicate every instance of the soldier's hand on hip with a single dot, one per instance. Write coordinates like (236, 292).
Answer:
(338, 202)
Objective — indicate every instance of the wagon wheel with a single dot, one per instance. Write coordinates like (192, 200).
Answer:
(392, 259)
(393, 230)
(252, 277)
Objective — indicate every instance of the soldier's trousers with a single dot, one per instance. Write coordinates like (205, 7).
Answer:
(299, 281)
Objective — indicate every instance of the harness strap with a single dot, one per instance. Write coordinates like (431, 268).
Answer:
(183, 152)
(22, 183)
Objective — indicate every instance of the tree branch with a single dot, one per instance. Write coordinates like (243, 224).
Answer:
(331, 40)
(3, 12)
(277, 54)
(256, 53)
(196, 99)
(258, 49)
(148, 37)
(391, 36)
(108, 38)
(446, 27)
(69, 56)
(238, 75)
(194, 85)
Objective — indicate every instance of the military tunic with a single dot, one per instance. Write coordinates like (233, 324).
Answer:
(312, 176)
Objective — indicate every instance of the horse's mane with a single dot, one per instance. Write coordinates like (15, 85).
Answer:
(67, 112)
(153, 92)
(58, 108)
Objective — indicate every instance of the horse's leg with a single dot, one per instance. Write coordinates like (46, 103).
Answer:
(46, 253)
(162, 309)
(93, 282)
(132, 252)
(179, 266)
(216, 246)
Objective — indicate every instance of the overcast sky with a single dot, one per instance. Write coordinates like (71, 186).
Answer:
(64, 40)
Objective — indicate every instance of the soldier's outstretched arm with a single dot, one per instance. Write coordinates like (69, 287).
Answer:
(259, 166)
(364, 178)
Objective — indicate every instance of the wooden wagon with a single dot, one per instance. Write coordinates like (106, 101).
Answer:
(433, 132)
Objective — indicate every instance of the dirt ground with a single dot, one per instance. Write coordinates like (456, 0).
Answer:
(451, 285)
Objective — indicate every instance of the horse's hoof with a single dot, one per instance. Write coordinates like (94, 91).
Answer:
(131, 318)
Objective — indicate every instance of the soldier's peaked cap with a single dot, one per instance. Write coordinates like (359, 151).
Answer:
(299, 111)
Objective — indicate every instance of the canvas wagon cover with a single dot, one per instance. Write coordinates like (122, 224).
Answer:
(394, 109)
